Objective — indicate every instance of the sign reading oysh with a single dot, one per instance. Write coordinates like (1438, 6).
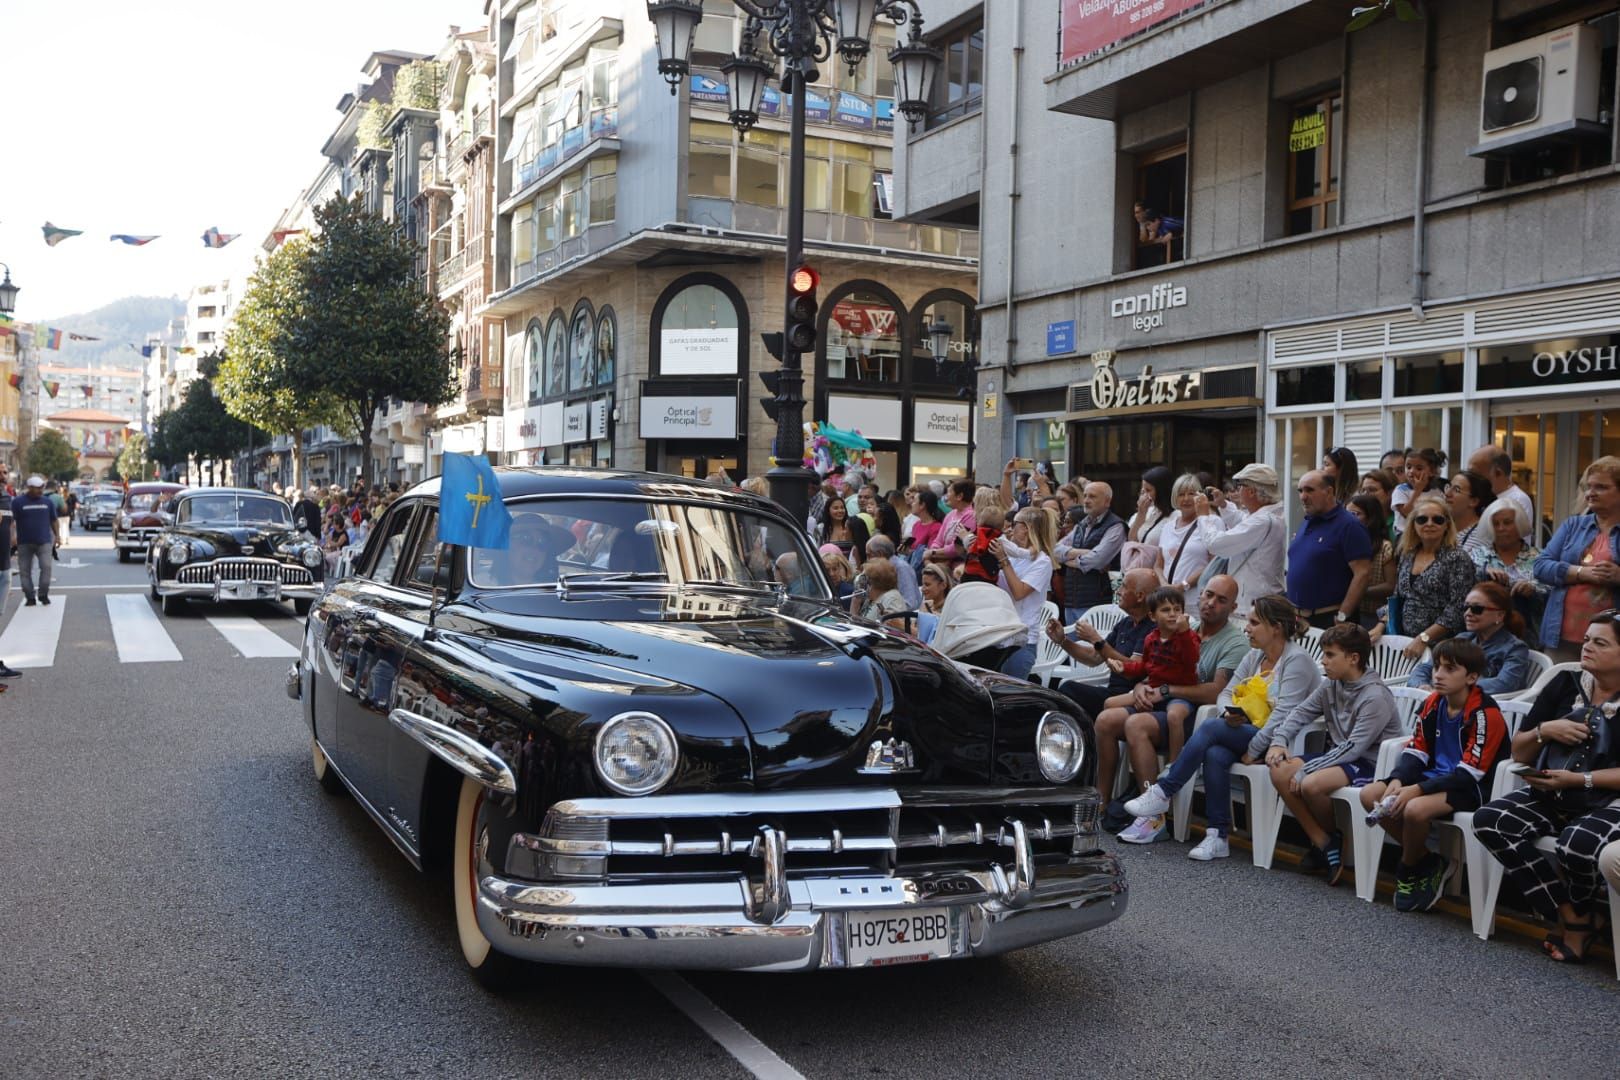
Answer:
(1090, 25)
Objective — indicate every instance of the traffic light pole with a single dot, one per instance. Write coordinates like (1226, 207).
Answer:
(789, 480)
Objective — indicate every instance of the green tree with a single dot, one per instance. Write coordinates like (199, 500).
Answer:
(51, 456)
(366, 331)
(199, 427)
(135, 461)
(255, 378)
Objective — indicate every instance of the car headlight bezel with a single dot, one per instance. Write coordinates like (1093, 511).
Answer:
(179, 553)
(311, 557)
(652, 730)
(1061, 734)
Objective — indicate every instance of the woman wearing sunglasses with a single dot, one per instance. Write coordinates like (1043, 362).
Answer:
(1496, 628)
(1432, 581)
(1579, 562)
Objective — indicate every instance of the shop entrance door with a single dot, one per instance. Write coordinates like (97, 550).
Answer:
(1552, 449)
(697, 463)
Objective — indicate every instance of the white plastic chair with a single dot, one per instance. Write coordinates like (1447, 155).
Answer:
(1366, 841)
(1104, 617)
(1049, 655)
(1181, 803)
(1311, 642)
(1389, 662)
(1548, 674)
(1266, 807)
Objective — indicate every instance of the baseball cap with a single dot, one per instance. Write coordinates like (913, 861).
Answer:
(1263, 475)
(36, 481)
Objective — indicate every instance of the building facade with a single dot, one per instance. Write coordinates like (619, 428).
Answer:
(1260, 237)
(639, 256)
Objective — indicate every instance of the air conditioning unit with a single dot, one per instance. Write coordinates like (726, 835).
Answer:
(1540, 86)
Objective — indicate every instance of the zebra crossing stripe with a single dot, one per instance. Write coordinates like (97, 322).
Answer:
(31, 636)
(138, 632)
(250, 638)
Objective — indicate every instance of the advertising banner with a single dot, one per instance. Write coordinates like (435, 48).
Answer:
(854, 111)
(1089, 25)
(698, 352)
(689, 417)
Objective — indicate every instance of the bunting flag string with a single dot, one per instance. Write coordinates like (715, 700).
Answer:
(52, 386)
(81, 337)
(54, 235)
(213, 238)
(15, 380)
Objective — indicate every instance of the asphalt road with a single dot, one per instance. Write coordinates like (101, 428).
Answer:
(179, 898)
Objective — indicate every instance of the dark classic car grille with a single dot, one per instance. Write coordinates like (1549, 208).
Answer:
(933, 831)
(265, 570)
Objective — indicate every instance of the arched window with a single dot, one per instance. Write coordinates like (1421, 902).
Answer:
(534, 353)
(582, 349)
(956, 310)
(862, 335)
(699, 328)
(607, 346)
(556, 362)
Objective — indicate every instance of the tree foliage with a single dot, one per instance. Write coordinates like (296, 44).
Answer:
(52, 456)
(134, 461)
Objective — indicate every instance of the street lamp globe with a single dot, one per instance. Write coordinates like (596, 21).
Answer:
(854, 19)
(8, 294)
(675, 22)
(915, 65)
(939, 337)
(746, 77)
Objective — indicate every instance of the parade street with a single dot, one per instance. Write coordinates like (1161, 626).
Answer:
(182, 899)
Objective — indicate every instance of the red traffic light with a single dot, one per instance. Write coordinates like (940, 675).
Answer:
(804, 281)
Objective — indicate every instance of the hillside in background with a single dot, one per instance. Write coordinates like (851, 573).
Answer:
(119, 325)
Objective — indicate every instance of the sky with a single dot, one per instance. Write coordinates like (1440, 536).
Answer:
(171, 117)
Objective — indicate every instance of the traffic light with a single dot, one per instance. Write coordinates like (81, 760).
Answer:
(801, 309)
(772, 381)
(773, 345)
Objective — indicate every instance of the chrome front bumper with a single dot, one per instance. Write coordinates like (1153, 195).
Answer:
(719, 925)
(209, 590)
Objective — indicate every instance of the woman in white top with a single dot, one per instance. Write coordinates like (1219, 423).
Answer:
(1253, 547)
(1025, 551)
(1152, 506)
(1185, 553)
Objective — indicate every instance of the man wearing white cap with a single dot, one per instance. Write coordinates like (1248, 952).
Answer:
(38, 533)
(1253, 547)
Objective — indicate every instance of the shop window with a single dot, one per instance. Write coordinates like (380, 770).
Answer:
(534, 353)
(1312, 385)
(1433, 373)
(863, 339)
(699, 329)
(708, 167)
(1364, 381)
(1045, 439)
(1314, 148)
(959, 87)
(582, 349)
(1159, 212)
(556, 361)
(607, 346)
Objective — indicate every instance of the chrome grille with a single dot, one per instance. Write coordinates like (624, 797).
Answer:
(261, 570)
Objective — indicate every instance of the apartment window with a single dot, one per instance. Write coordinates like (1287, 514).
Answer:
(759, 169)
(959, 86)
(818, 174)
(545, 221)
(604, 189)
(1159, 214)
(708, 169)
(716, 36)
(523, 242)
(207, 313)
(571, 206)
(1314, 148)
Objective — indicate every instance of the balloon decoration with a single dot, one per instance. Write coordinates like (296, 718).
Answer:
(827, 448)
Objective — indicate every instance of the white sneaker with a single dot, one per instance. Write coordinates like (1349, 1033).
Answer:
(1151, 803)
(1144, 830)
(1212, 846)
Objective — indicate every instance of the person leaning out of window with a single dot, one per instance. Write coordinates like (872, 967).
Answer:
(1432, 582)
(1579, 562)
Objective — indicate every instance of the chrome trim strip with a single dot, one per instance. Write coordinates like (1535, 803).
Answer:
(721, 804)
(387, 826)
(461, 752)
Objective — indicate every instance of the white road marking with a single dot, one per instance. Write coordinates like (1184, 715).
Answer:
(55, 587)
(734, 1039)
(138, 632)
(250, 638)
(31, 636)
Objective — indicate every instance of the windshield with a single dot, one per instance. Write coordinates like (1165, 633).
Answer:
(151, 500)
(105, 498)
(235, 510)
(603, 540)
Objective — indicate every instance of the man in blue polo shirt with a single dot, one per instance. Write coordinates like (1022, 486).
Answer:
(35, 515)
(1330, 557)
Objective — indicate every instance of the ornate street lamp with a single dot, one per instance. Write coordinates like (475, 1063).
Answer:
(800, 33)
(939, 337)
(8, 293)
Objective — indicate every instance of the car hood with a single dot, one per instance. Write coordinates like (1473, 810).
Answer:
(231, 539)
(144, 518)
(813, 688)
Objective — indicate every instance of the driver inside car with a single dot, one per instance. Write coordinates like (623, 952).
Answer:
(531, 558)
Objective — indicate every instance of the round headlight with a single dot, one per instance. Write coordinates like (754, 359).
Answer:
(1060, 747)
(311, 556)
(179, 553)
(636, 753)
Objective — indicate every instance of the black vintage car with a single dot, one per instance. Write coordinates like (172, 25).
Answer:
(232, 544)
(646, 735)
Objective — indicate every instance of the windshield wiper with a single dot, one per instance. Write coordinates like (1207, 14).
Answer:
(607, 579)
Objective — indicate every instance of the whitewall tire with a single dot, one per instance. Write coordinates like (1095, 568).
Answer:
(325, 775)
(494, 970)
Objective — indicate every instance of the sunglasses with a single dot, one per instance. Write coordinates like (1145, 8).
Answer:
(1426, 519)
(1479, 609)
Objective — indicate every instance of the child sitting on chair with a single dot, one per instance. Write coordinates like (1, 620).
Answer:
(1169, 658)
(1445, 767)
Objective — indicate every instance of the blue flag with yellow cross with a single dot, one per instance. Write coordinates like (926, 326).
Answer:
(470, 508)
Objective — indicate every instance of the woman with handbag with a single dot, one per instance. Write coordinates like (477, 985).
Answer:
(1183, 553)
(1141, 548)
(1572, 739)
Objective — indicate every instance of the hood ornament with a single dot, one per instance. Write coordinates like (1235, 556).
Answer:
(247, 549)
(888, 758)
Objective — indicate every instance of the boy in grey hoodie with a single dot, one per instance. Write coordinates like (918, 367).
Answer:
(1359, 712)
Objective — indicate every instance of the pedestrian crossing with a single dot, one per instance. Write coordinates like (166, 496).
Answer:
(33, 638)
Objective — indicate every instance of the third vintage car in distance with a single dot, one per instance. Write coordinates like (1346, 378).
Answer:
(233, 544)
(647, 735)
(143, 516)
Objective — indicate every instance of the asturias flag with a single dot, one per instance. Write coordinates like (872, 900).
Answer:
(470, 508)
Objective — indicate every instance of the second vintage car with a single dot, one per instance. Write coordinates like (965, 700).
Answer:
(142, 516)
(99, 509)
(646, 735)
(233, 544)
